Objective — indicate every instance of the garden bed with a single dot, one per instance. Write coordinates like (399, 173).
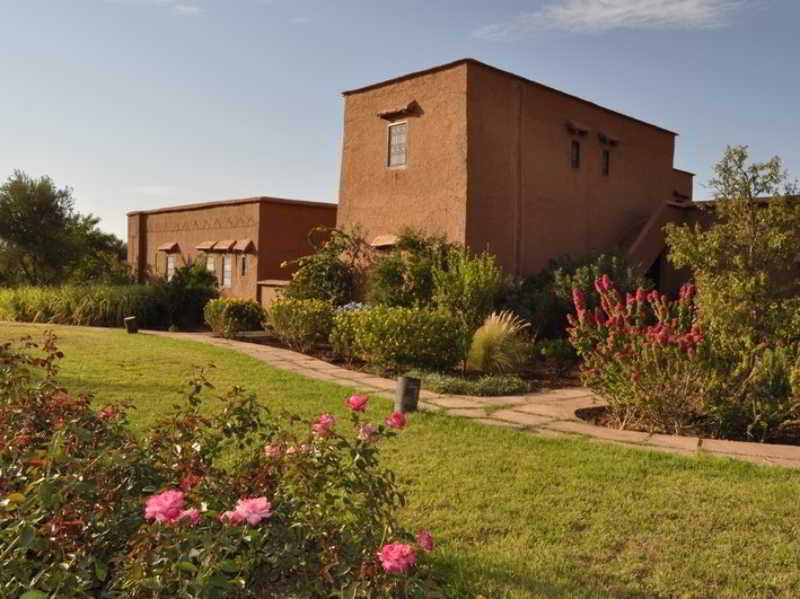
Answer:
(538, 374)
(600, 416)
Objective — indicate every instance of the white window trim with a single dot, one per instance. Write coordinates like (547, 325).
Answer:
(389, 144)
(227, 273)
(171, 266)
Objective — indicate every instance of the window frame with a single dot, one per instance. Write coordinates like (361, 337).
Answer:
(243, 266)
(227, 271)
(211, 264)
(389, 129)
(575, 154)
(605, 162)
(171, 265)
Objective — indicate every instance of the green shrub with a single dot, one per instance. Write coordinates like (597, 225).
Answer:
(559, 352)
(343, 333)
(186, 294)
(498, 345)
(229, 316)
(404, 278)
(544, 299)
(301, 324)
(391, 338)
(158, 516)
(467, 286)
(332, 272)
(486, 386)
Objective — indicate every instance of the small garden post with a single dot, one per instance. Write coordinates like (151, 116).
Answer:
(407, 394)
(131, 325)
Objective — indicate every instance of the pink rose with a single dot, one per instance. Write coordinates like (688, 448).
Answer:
(397, 557)
(251, 511)
(324, 425)
(164, 507)
(192, 514)
(368, 432)
(396, 420)
(357, 403)
(425, 540)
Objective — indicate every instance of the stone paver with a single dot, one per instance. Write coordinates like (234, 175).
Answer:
(521, 417)
(455, 402)
(549, 413)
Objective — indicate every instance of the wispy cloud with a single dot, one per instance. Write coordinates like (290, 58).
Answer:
(604, 15)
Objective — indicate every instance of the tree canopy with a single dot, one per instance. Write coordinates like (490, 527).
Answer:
(45, 241)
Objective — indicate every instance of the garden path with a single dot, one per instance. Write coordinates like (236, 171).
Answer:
(549, 413)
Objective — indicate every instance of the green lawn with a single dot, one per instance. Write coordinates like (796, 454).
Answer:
(514, 515)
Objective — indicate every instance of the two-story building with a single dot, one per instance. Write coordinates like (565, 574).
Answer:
(496, 161)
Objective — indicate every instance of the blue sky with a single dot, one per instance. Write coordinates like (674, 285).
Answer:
(137, 104)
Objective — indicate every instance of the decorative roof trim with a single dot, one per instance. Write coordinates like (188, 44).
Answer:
(225, 245)
(170, 246)
(206, 246)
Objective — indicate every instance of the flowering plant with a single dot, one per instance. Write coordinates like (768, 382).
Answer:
(650, 358)
(244, 503)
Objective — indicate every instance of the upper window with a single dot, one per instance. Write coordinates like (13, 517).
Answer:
(243, 265)
(211, 263)
(606, 164)
(227, 271)
(575, 154)
(398, 144)
(170, 266)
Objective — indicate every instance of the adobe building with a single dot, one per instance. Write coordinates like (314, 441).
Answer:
(496, 161)
(242, 241)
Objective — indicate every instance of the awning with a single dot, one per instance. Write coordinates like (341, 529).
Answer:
(381, 241)
(394, 113)
(243, 245)
(607, 139)
(577, 128)
(206, 246)
(170, 246)
(225, 245)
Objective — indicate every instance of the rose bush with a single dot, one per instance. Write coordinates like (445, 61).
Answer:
(243, 503)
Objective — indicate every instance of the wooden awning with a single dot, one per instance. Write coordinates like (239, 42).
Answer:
(607, 139)
(170, 246)
(382, 241)
(225, 245)
(206, 246)
(409, 109)
(577, 128)
(243, 245)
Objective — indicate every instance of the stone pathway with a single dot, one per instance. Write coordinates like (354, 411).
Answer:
(547, 413)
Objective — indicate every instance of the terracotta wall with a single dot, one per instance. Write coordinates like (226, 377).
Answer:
(284, 233)
(429, 193)
(189, 228)
(526, 203)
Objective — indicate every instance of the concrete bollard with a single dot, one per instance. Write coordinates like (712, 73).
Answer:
(407, 394)
(131, 324)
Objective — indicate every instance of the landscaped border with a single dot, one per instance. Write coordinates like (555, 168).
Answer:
(552, 413)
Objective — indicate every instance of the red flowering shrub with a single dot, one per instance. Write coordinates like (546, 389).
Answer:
(243, 503)
(650, 359)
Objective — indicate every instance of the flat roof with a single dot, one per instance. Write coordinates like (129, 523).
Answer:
(475, 62)
(259, 199)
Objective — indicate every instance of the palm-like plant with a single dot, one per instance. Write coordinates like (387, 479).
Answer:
(498, 345)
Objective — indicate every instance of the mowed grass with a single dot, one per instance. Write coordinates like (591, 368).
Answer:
(514, 515)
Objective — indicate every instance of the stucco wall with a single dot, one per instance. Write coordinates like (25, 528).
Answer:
(284, 233)
(189, 228)
(526, 203)
(429, 193)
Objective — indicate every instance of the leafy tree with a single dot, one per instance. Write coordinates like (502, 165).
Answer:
(44, 241)
(745, 263)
